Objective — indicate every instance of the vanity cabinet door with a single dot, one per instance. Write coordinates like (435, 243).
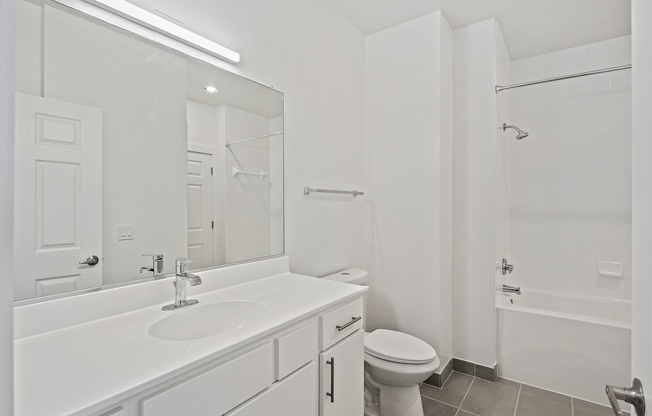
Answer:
(342, 377)
(296, 395)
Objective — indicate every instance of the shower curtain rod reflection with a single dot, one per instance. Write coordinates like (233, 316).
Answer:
(500, 88)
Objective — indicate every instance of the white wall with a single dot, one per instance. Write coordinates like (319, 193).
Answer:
(642, 191)
(408, 135)
(571, 189)
(7, 22)
(29, 50)
(316, 58)
(205, 127)
(474, 108)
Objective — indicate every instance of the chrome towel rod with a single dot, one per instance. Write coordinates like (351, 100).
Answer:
(500, 88)
(307, 191)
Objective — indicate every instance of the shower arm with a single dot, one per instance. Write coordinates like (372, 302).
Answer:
(520, 133)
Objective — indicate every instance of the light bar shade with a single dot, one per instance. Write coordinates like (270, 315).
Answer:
(158, 24)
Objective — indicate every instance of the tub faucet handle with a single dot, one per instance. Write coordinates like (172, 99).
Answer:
(507, 268)
(633, 395)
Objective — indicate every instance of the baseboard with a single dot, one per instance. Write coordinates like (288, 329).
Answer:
(461, 366)
(440, 376)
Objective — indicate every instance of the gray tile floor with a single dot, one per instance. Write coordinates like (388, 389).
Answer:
(464, 395)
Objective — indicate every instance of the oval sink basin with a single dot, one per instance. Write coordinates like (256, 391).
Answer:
(203, 321)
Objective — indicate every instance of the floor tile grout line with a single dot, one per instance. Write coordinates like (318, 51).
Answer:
(446, 381)
(520, 387)
(465, 394)
(438, 401)
(471, 413)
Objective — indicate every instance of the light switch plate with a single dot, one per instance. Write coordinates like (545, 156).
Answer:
(126, 232)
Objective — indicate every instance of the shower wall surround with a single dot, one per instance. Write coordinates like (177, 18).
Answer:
(571, 200)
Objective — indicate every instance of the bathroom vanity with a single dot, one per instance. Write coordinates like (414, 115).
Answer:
(261, 340)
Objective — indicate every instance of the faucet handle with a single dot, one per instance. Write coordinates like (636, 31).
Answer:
(182, 265)
(157, 263)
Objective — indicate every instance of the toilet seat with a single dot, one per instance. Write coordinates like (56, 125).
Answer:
(398, 347)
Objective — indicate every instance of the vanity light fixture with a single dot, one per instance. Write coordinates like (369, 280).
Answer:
(211, 89)
(151, 21)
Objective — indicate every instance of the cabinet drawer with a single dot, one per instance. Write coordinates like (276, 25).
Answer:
(294, 349)
(217, 390)
(294, 396)
(342, 317)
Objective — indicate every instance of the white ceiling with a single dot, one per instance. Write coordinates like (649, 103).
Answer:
(530, 27)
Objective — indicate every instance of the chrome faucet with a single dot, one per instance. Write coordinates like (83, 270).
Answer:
(511, 289)
(182, 276)
(157, 264)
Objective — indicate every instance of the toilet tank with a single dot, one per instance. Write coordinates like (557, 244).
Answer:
(353, 276)
(356, 277)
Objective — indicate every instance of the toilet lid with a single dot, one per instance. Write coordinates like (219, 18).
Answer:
(398, 347)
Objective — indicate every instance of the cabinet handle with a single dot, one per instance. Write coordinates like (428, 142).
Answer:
(331, 362)
(353, 320)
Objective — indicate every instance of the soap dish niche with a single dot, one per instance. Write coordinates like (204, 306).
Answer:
(611, 269)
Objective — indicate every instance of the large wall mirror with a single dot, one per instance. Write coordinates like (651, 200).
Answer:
(126, 150)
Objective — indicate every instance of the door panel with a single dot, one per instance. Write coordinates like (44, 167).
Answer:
(58, 196)
(200, 209)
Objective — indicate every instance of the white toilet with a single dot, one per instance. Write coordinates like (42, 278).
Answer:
(395, 365)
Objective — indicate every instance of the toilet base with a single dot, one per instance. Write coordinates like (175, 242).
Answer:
(372, 410)
(400, 401)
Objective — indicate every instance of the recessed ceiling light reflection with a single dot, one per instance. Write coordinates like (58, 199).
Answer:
(211, 89)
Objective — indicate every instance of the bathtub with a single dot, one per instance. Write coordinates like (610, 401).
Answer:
(571, 345)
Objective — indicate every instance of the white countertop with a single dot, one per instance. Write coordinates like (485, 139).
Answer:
(85, 367)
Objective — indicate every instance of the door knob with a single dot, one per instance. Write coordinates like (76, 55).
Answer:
(91, 260)
(633, 395)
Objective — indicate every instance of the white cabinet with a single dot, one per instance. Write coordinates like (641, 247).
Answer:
(295, 395)
(341, 364)
(342, 377)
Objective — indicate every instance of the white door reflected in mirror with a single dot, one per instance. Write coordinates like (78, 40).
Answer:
(58, 212)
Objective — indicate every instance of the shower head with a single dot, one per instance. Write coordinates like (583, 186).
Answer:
(521, 134)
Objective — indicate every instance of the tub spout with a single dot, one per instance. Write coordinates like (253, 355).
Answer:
(511, 289)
